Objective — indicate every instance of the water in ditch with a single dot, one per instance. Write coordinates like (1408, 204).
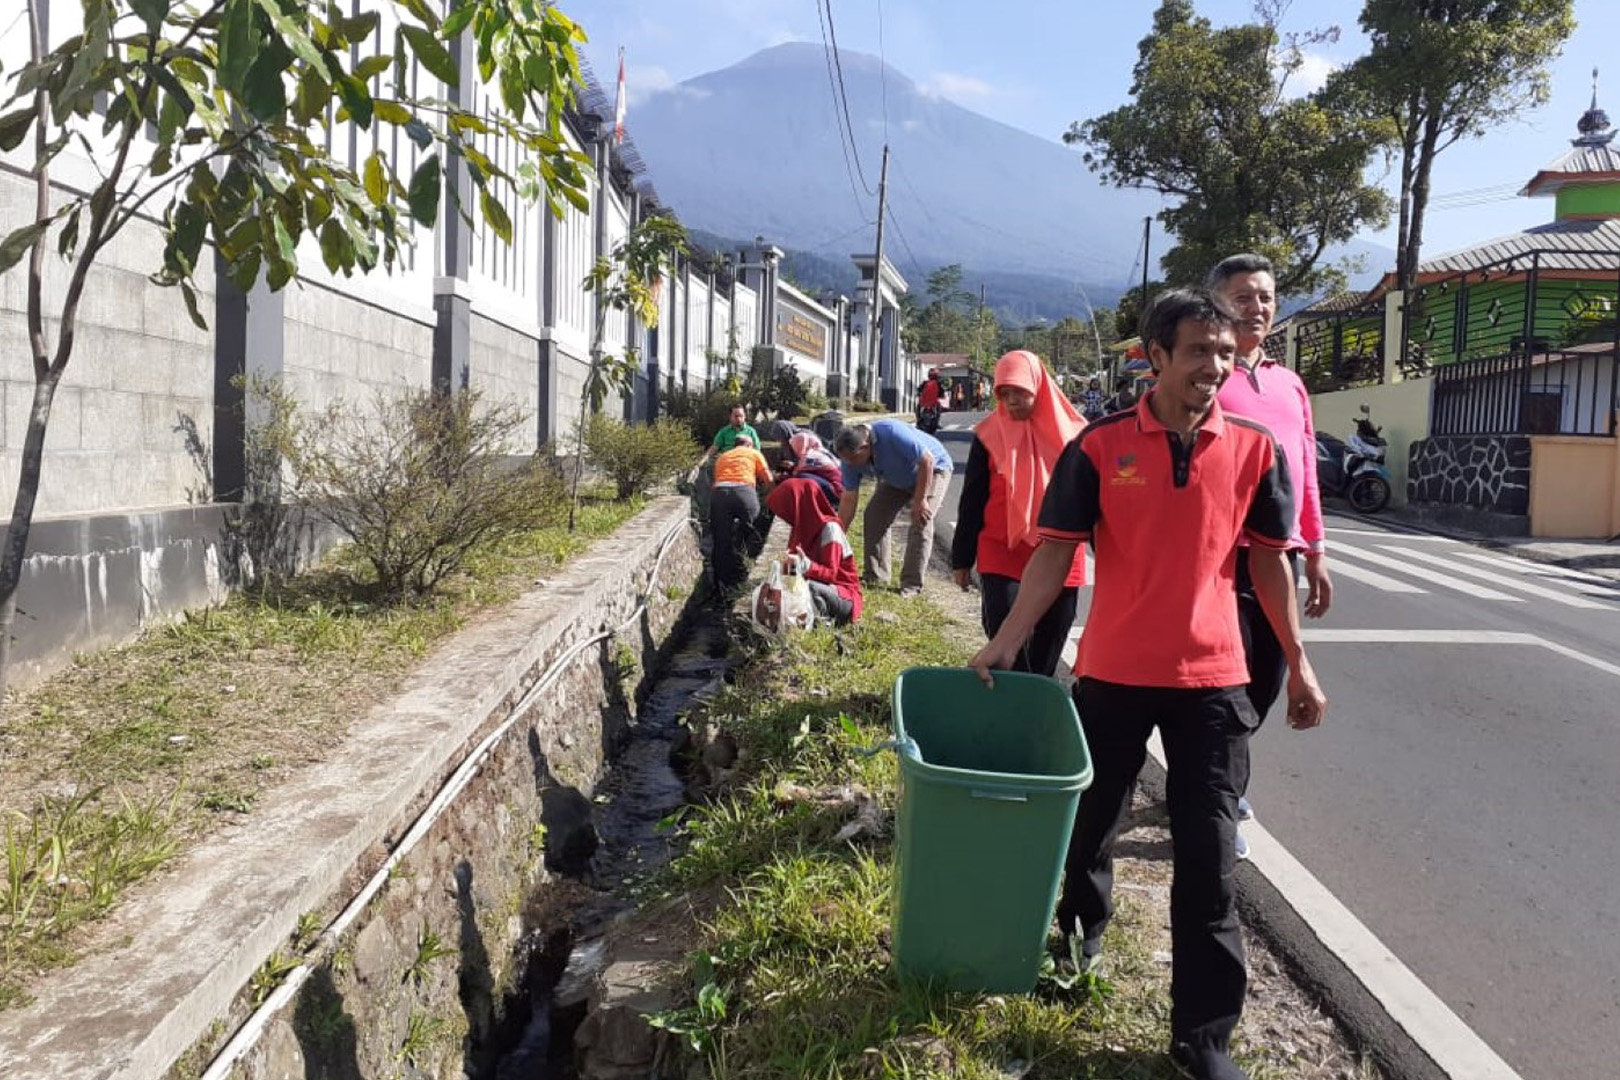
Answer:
(641, 789)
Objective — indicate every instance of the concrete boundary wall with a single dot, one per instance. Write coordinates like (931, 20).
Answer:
(1401, 409)
(185, 944)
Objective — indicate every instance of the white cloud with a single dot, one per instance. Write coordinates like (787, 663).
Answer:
(781, 37)
(959, 88)
(1312, 75)
(642, 82)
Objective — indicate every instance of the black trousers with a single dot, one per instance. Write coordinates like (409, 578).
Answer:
(1268, 667)
(1044, 649)
(732, 512)
(1206, 745)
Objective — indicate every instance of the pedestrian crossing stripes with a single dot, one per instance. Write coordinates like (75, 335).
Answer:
(1403, 567)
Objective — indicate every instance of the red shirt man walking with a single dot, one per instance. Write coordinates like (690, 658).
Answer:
(1165, 492)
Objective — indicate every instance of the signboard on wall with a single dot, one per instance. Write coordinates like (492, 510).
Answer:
(799, 331)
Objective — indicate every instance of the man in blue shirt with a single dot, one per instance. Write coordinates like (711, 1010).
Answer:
(911, 468)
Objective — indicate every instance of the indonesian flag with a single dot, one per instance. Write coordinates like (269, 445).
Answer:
(618, 103)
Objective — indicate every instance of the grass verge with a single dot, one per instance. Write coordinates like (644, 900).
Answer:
(132, 754)
(792, 977)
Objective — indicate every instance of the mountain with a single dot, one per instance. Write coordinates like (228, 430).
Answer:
(754, 150)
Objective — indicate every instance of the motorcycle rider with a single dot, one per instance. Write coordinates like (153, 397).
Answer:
(929, 397)
(1268, 393)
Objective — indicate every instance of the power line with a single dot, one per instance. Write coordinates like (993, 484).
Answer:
(906, 177)
(843, 95)
(838, 122)
(916, 263)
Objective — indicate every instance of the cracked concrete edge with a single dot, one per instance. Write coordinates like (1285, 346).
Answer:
(1342, 965)
(229, 903)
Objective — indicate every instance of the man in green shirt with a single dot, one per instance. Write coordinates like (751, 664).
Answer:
(726, 437)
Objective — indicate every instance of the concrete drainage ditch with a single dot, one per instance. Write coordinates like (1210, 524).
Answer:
(564, 1021)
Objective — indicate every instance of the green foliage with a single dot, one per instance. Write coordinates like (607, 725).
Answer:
(774, 392)
(638, 457)
(239, 95)
(419, 482)
(429, 948)
(1210, 125)
(1440, 72)
(703, 412)
(950, 322)
(627, 280)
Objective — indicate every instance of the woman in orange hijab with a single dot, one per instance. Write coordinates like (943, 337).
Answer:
(1014, 449)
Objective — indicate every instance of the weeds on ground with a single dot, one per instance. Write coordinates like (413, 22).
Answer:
(121, 761)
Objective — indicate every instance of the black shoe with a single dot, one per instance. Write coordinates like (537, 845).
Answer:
(1204, 1063)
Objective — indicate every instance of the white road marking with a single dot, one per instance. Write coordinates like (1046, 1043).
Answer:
(1335, 636)
(1575, 654)
(1525, 566)
(1435, 577)
(1341, 568)
(1555, 595)
(1388, 535)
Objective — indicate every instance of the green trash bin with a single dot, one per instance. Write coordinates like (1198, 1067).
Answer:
(989, 783)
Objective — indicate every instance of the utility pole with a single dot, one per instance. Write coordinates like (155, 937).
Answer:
(874, 311)
(978, 330)
(1147, 233)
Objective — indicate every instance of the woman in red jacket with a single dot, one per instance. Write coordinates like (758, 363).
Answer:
(816, 541)
(1014, 449)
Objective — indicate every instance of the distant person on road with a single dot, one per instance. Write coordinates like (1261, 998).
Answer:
(1008, 469)
(1124, 395)
(817, 541)
(1165, 493)
(912, 469)
(1268, 393)
(726, 437)
(739, 473)
(1092, 401)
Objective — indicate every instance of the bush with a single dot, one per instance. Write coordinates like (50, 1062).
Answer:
(420, 482)
(702, 412)
(776, 393)
(638, 457)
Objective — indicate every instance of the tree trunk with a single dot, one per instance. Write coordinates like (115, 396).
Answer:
(22, 513)
(1412, 252)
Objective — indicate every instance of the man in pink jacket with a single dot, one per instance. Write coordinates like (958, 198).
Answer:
(1266, 392)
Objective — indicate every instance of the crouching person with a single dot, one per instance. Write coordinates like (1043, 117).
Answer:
(817, 541)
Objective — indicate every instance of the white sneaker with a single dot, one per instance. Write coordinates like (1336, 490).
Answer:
(1245, 811)
(1240, 845)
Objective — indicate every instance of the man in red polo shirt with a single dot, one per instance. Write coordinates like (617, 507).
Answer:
(1164, 493)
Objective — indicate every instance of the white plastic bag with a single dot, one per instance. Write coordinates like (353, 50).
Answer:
(782, 603)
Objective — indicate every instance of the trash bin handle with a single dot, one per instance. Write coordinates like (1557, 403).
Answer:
(903, 747)
(999, 796)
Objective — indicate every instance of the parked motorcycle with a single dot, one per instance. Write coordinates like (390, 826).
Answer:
(928, 418)
(1355, 470)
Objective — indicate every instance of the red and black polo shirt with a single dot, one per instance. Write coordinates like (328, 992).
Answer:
(1165, 522)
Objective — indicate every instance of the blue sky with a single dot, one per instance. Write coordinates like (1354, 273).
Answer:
(1039, 65)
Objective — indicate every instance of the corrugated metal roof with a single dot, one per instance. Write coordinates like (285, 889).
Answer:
(1564, 245)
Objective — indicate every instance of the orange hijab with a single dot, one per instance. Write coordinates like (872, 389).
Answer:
(1024, 451)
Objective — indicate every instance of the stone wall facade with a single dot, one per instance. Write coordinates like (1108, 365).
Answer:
(1480, 472)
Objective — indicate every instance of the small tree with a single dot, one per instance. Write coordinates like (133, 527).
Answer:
(624, 280)
(214, 117)
(638, 457)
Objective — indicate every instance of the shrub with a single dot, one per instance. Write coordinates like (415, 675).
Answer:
(638, 457)
(776, 393)
(702, 412)
(420, 482)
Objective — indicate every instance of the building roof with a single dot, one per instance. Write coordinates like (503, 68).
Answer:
(1563, 245)
(1591, 158)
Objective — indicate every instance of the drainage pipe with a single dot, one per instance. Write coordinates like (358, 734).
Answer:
(253, 1029)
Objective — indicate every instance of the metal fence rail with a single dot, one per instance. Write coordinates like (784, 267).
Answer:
(1342, 348)
(1556, 392)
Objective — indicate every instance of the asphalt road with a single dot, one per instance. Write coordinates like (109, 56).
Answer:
(1463, 798)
